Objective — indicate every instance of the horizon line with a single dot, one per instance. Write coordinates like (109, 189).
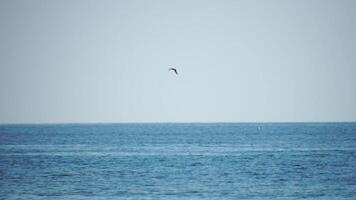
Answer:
(176, 122)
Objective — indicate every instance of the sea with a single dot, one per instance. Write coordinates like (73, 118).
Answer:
(178, 161)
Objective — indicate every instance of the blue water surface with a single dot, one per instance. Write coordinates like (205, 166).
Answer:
(178, 161)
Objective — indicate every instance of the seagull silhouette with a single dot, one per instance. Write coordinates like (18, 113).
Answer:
(173, 69)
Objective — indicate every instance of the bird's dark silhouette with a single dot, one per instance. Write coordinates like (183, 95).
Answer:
(173, 69)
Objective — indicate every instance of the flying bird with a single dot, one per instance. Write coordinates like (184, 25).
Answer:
(173, 69)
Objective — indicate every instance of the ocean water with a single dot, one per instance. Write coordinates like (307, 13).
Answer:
(179, 161)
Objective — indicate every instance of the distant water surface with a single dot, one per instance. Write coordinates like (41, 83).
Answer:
(179, 161)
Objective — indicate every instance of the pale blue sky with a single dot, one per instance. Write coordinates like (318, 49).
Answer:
(239, 61)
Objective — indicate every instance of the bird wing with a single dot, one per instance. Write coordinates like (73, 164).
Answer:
(173, 69)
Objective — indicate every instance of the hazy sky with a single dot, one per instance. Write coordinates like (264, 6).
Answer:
(107, 61)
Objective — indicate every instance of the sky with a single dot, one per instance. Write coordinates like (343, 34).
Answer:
(238, 61)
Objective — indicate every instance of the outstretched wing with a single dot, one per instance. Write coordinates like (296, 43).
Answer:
(173, 69)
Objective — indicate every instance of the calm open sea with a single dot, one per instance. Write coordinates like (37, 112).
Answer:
(179, 161)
